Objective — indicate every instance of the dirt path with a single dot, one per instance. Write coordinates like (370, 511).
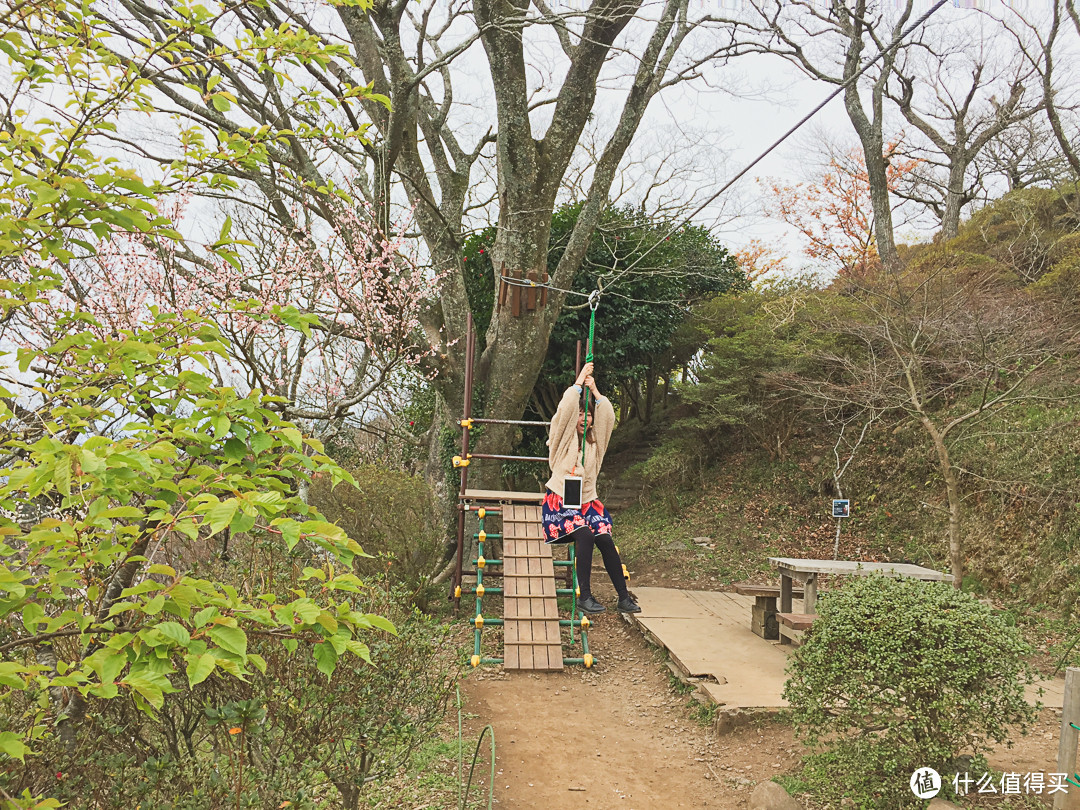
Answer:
(618, 736)
(615, 736)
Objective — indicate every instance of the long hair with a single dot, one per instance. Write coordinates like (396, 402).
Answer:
(589, 435)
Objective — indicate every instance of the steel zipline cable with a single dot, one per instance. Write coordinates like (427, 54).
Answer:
(682, 223)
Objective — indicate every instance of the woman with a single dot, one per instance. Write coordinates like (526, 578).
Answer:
(589, 525)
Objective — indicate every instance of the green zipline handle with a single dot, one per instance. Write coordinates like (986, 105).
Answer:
(594, 302)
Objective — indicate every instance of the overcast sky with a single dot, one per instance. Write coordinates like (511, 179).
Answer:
(762, 97)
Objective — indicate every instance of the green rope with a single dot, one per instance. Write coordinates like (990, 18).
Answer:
(594, 301)
(464, 798)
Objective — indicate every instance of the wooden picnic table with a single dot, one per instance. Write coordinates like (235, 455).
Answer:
(806, 572)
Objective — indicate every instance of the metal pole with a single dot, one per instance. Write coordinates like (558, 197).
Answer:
(509, 422)
(1066, 758)
(470, 348)
(577, 361)
(509, 458)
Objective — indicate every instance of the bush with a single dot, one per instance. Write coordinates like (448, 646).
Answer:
(757, 341)
(289, 735)
(898, 674)
(393, 516)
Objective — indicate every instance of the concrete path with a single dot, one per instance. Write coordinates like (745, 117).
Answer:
(707, 634)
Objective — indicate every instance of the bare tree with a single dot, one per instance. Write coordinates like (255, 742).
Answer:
(959, 87)
(832, 42)
(1040, 49)
(946, 349)
(1025, 154)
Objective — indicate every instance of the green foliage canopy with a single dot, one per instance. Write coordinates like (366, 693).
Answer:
(650, 276)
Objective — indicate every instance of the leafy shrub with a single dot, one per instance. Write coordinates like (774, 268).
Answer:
(672, 467)
(290, 735)
(122, 468)
(898, 674)
(393, 516)
(1020, 229)
(756, 341)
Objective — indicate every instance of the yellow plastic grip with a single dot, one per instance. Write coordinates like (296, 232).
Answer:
(588, 660)
(475, 660)
(479, 621)
(480, 562)
(460, 462)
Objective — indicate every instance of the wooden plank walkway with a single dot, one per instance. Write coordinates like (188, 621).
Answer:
(531, 637)
(707, 634)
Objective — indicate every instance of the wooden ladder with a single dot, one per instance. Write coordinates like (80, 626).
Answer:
(531, 636)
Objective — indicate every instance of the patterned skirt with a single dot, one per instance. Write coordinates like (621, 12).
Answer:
(561, 523)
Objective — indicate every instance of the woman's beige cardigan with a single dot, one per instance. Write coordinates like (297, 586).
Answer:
(564, 450)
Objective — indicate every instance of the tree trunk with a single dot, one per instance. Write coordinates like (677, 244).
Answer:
(869, 128)
(1052, 115)
(350, 794)
(650, 397)
(952, 489)
(954, 197)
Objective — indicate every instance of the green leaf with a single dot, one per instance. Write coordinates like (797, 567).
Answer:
(204, 615)
(358, 649)
(187, 527)
(290, 532)
(150, 685)
(32, 615)
(175, 632)
(235, 450)
(221, 514)
(12, 745)
(326, 658)
(221, 425)
(200, 667)
(123, 512)
(292, 437)
(290, 644)
(62, 476)
(10, 674)
(242, 523)
(154, 606)
(107, 663)
(261, 442)
(306, 610)
(232, 639)
(381, 623)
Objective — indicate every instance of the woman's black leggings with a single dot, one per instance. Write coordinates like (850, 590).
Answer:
(612, 562)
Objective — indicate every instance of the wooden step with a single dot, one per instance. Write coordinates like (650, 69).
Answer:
(796, 621)
(793, 626)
